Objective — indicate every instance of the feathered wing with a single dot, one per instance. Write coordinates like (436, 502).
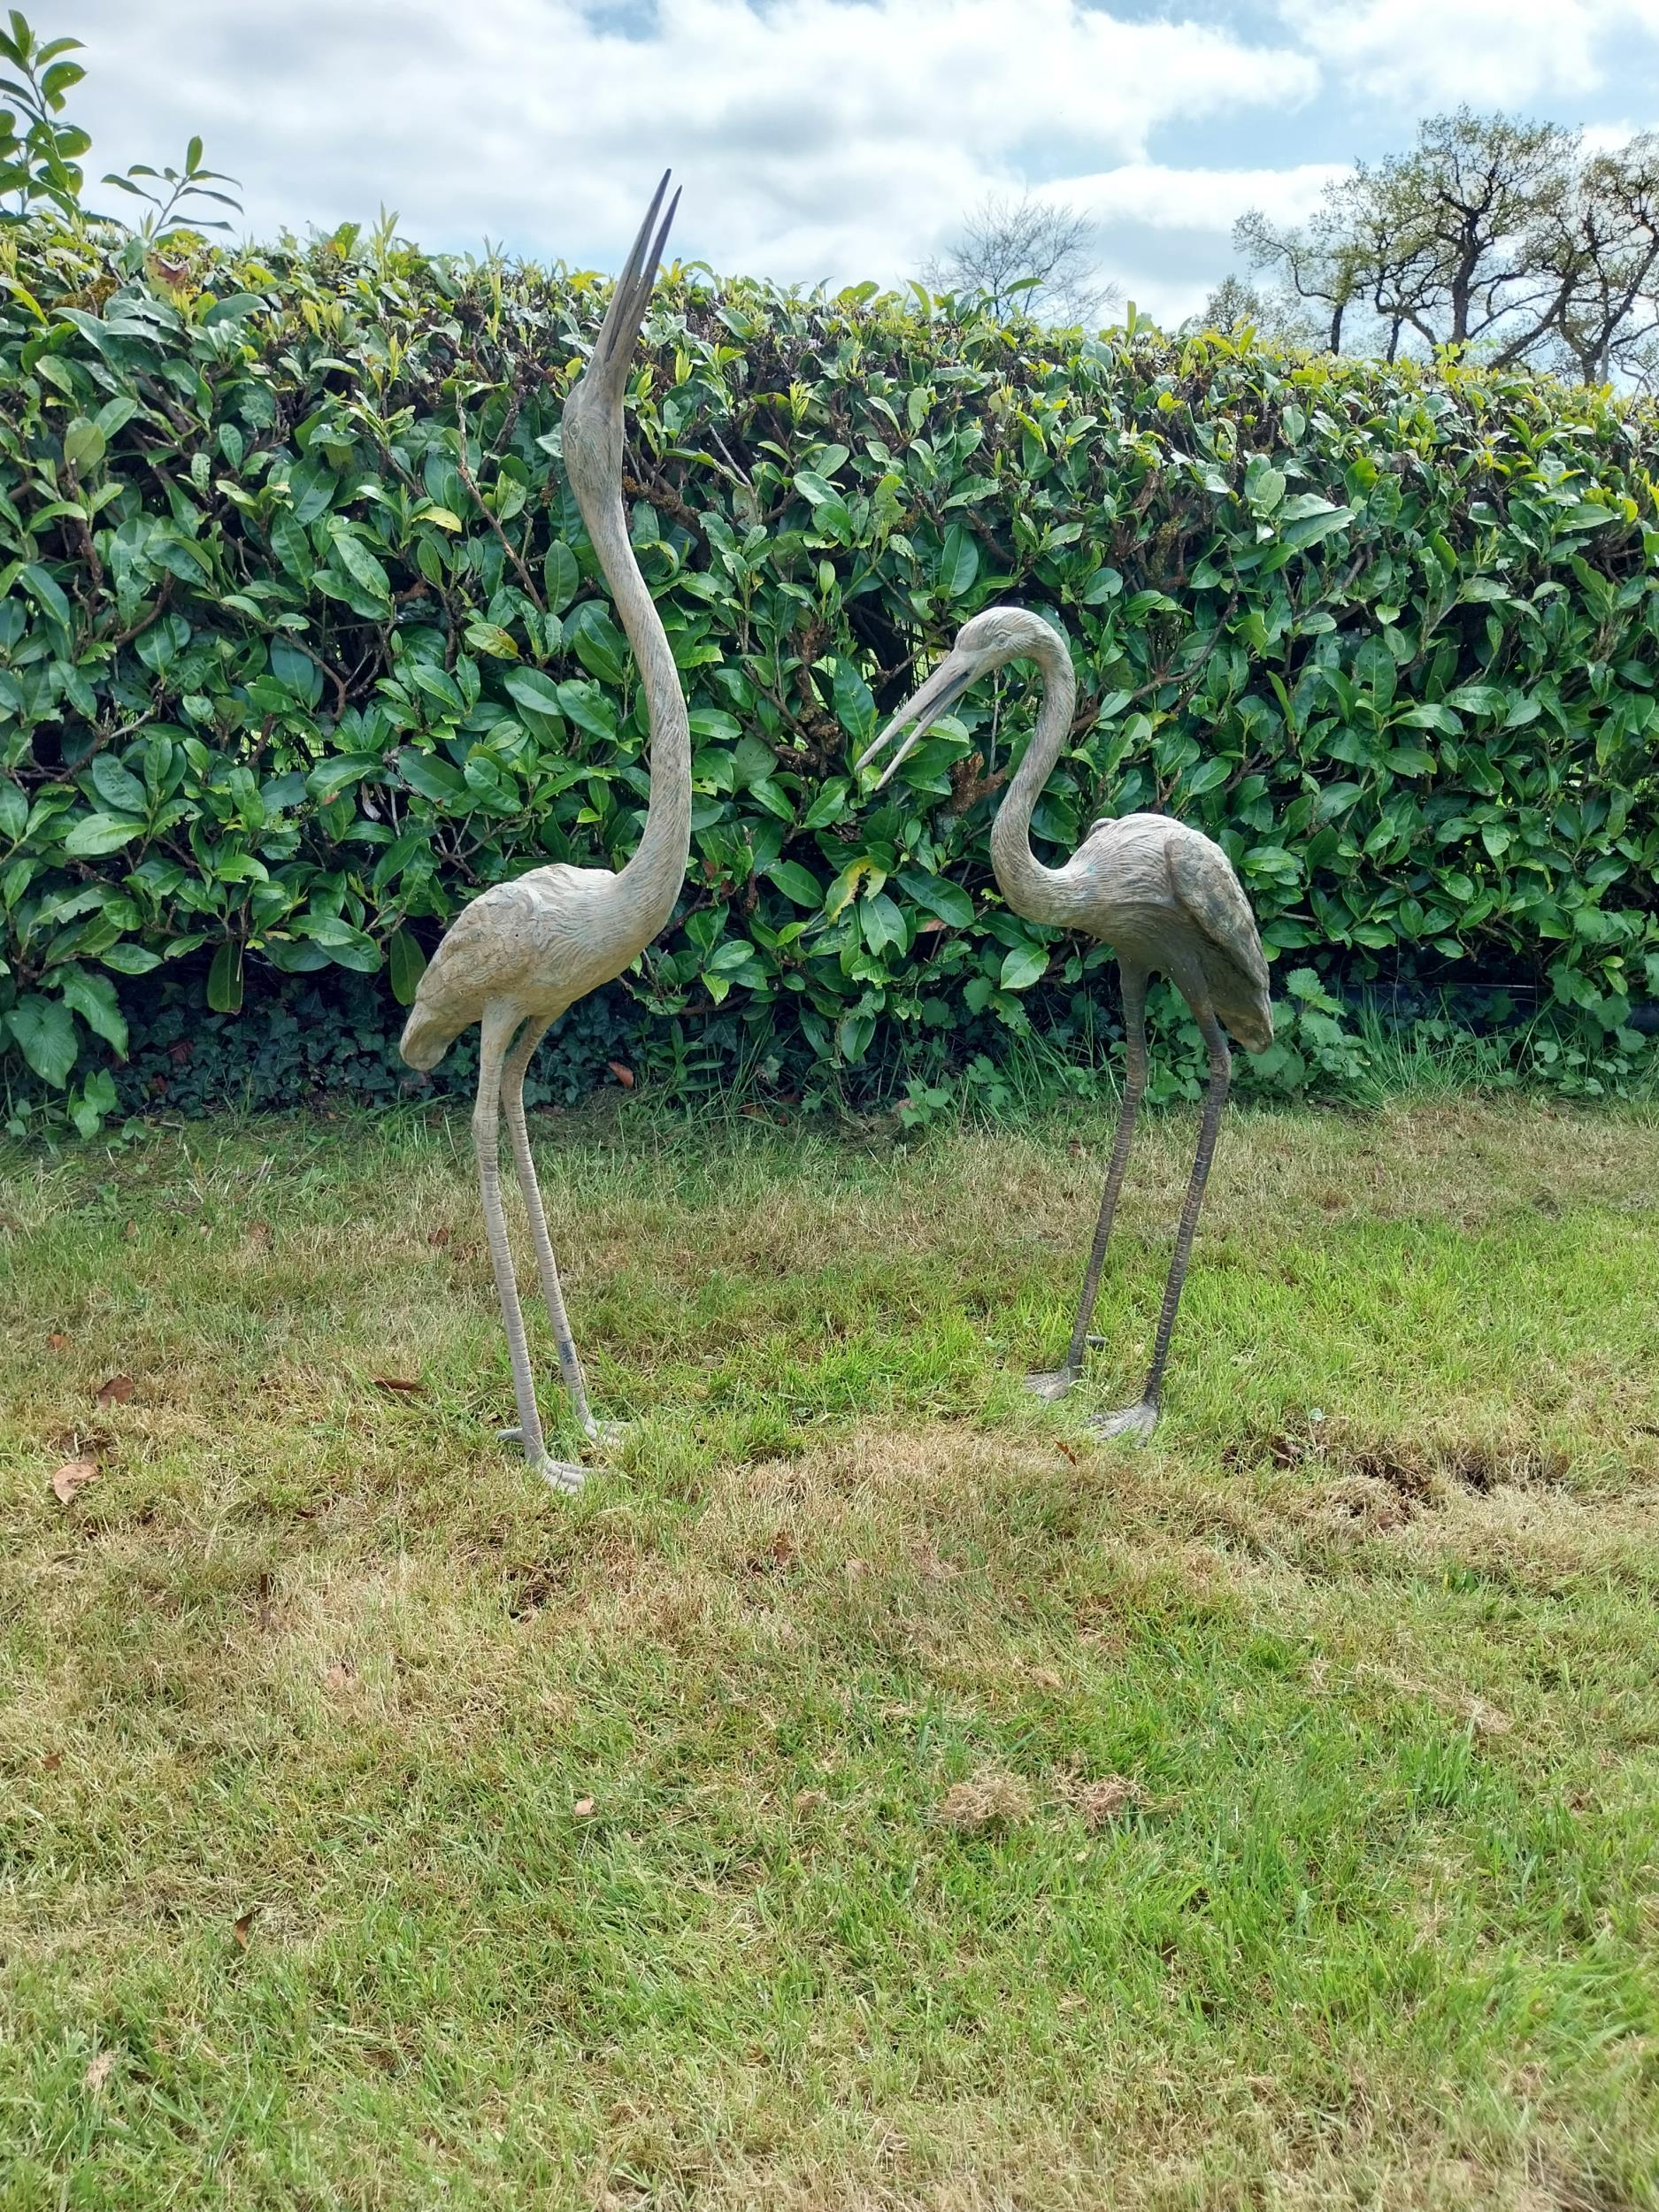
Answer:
(1211, 895)
(483, 952)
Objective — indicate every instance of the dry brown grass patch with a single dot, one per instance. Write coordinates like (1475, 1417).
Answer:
(1099, 1800)
(987, 1800)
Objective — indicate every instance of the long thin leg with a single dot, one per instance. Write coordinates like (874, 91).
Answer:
(1139, 1419)
(512, 1099)
(1134, 991)
(497, 1033)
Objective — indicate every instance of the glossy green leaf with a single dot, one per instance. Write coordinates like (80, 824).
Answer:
(561, 577)
(43, 1030)
(938, 896)
(330, 778)
(83, 445)
(129, 959)
(406, 964)
(1024, 965)
(97, 833)
(430, 774)
(798, 883)
(529, 688)
(224, 980)
(93, 998)
(958, 562)
(598, 642)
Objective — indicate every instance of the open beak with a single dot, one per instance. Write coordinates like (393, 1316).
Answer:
(619, 331)
(953, 676)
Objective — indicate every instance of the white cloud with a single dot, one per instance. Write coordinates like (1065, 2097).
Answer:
(838, 138)
(1434, 54)
(1606, 138)
(1165, 233)
(1165, 198)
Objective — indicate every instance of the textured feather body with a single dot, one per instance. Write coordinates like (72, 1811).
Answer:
(535, 945)
(1167, 901)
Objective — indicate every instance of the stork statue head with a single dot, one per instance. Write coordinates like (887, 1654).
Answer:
(987, 640)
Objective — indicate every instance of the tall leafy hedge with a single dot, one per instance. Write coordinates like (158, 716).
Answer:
(302, 644)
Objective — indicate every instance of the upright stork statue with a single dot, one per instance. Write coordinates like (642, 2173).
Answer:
(515, 957)
(1165, 895)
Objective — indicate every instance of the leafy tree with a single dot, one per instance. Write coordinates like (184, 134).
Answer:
(1027, 255)
(1278, 316)
(1492, 233)
(40, 158)
(1602, 247)
(40, 155)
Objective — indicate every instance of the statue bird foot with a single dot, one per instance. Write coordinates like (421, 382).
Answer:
(566, 1475)
(1136, 1422)
(1056, 1383)
(562, 1474)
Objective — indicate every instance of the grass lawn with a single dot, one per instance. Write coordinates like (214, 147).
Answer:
(871, 1792)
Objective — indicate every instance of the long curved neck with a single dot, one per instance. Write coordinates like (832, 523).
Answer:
(1041, 894)
(657, 869)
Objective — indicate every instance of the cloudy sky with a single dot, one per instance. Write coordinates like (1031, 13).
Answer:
(826, 139)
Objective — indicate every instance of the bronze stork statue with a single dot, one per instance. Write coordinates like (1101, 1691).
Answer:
(519, 954)
(1164, 896)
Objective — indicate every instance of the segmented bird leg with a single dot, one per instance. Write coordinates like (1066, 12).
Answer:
(1139, 1419)
(512, 1098)
(497, 1029)
(1134, 990)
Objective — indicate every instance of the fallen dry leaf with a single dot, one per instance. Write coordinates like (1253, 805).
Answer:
(57, 1341)
(583, 1808)
(785, 1551)
(624, 1075)
(241, 1928)
(438, 1236)
(1065, 1450)
(100, 2070)
(73, 1477)
(52, 1761)
(399, 1382)
(115, 1392)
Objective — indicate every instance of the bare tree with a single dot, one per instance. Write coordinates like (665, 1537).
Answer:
(1317, 266)
(1442, 244)
(1026, 255)
(1279, 317)
(1602, 246)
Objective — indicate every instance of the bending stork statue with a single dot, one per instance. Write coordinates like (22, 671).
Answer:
(520, 953)
(1164, 896)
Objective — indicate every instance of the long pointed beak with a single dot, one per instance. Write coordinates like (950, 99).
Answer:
(632, 293)
(941, 692)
